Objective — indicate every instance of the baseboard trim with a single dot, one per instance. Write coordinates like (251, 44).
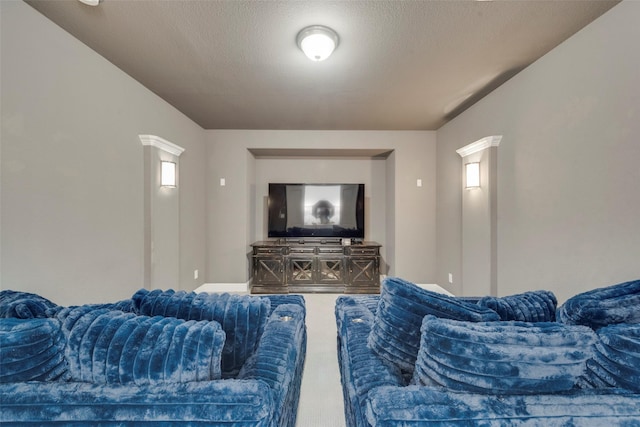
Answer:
(243, 288)
(239, 288)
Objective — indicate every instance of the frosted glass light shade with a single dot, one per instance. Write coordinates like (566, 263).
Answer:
(167, 174)
(472, 175)
(317, 42)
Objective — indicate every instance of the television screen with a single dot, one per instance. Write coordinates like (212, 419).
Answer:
(316, 210)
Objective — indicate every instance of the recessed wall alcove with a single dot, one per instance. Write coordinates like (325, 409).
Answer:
(369, 166)
(400, 213)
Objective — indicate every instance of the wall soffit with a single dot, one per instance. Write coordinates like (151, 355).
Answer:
(481, 144)
(162, 144)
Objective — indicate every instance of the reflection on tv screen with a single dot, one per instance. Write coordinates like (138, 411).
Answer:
(316, 210)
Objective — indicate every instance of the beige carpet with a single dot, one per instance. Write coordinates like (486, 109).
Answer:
(321, 402)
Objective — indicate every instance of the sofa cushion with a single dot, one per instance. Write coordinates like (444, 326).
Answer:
(428, 406)
(243, 318)
(112, 347)
(124, 305)
(395, 336)
(603, 306)
(616, 362)
(24, 305)
(229, 403)
(502, 357)
(31, 350)
(533, 306)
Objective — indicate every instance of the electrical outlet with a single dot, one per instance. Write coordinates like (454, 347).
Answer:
(223, 182)
(419, 182)
(450, 278)
(195, 274)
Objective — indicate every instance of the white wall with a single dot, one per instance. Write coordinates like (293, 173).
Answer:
(237, 219)
(72, 202)
(568, 195)
(368, 171)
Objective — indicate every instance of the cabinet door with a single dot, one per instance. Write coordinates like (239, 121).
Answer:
(300, 270)
(331, 270)
(268, 270)
(364, 271)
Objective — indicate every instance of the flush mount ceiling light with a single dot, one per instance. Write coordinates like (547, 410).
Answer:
(317, 42)
(91, 2)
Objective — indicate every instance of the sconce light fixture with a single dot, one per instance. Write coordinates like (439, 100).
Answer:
(472, 175)
(167, 174)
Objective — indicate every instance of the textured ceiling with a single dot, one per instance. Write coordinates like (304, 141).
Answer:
(410, 65)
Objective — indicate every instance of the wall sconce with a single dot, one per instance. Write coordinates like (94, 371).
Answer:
(472, 175)
(168, 174)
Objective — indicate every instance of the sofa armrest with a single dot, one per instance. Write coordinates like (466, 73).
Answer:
(430, 406)
(360, 369)
(279, 360)
(212, 403)
(281, 299)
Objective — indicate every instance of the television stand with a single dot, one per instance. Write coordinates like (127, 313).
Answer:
(308, 241)
(299, 266)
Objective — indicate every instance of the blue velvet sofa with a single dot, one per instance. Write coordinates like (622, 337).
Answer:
(411, 357)
(159, 358)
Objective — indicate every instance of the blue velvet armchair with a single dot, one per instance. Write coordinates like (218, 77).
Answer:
(160, 358)
(411, 357)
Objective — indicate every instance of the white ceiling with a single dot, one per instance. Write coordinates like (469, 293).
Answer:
(400, 65)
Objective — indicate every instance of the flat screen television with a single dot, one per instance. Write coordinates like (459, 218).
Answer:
(316, 210)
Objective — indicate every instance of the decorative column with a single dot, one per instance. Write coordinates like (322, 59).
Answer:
(161, 213)
(479, 216)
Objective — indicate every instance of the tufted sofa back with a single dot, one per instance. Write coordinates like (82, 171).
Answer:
(242, 317)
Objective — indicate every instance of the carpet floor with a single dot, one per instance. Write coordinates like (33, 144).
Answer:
(321, 403)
